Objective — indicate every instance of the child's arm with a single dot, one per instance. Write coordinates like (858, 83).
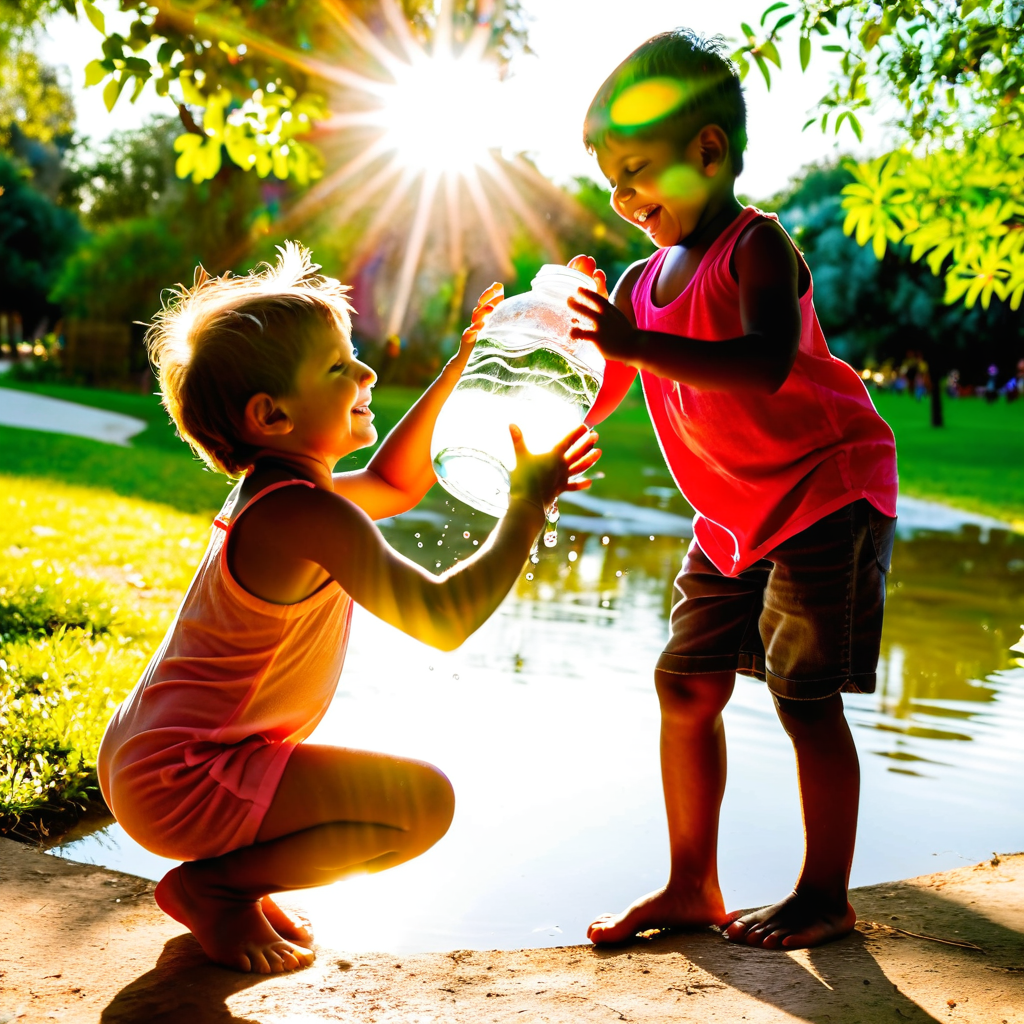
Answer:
(443, 610)
(760, 360)
(400, 472)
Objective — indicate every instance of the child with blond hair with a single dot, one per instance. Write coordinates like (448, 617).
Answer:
(204, 761)
(776, 445)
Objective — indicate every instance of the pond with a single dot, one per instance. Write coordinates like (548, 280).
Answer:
(546, 722)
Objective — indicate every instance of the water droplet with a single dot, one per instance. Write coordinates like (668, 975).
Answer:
(431, 667)
(416, 535)
(604, 540)
(455, 676)
(618, 572)
(437, 565)
(604, 604)
(439, 543)
(573, 556)
(465, 534)
(550, 537)
(535, 558)
(475, 543)
(572, 536)
(529, 575)
(420, 544)
(652, 536)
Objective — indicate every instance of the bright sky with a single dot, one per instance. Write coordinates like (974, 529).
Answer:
(547, 94)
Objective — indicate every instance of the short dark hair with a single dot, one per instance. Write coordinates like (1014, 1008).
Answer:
(687, 78)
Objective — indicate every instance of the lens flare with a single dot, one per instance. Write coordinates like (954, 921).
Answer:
(441, 113)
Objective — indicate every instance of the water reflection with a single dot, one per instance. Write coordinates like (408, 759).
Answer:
(546, 722)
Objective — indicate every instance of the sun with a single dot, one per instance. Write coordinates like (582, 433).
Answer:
(442, 113)
(417, 131)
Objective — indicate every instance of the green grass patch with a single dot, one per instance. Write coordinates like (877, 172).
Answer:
(89, 581)
(975, 462)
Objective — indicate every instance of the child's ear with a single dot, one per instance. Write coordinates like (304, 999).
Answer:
(264, 418)
(714, 149)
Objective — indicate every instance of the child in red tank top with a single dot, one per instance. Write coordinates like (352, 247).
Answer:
(779, 449)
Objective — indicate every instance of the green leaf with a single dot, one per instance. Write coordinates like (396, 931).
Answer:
(774, 7)
(855, 125)
(747, 30)
(967, 6)
(832, 48)
(95, 72)
(112, 90)
(95, 15)
(807, 124)
(805, 52)
(840, 119)
(783, 22)
(768, 50)
(764, 69)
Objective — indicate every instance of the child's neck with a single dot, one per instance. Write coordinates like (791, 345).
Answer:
(296, 465)
(720, 212)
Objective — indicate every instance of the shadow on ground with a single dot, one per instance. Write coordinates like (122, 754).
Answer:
(183, 988)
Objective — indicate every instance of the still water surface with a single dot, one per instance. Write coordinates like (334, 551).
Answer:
(546, 722)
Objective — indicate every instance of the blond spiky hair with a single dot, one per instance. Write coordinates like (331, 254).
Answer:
(225, 339)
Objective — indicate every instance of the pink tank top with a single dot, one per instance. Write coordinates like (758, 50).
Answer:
(759, 468)
(233, 666)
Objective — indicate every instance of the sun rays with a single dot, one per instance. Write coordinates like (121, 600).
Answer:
(412, 147)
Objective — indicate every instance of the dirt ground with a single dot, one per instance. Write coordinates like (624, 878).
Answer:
(80, 943)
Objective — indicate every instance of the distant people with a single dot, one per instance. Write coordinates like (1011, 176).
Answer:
(922, 381)
(953, 384)
(991, 389)
(779, 448)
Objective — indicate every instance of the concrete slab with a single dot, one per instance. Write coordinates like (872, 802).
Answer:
(82, 944)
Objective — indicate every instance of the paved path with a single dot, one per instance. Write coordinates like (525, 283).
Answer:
(83, 944)
(37, 412)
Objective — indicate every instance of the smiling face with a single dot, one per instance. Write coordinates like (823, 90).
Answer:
(661, 188)
(329, 406)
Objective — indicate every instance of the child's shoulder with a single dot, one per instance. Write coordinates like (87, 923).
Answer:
(622, 294)
(764, 251)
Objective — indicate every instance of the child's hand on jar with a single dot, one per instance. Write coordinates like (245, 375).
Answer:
(588, 265)
(541, 478)
(611, 330)
(489, 298)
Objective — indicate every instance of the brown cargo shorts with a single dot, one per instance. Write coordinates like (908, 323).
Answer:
(807, 618)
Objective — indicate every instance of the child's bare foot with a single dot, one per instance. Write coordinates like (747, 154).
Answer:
(665, 908)
(233, 933)
(287, 923)
(798, 921)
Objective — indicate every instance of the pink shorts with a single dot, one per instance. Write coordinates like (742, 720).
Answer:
(189, 799)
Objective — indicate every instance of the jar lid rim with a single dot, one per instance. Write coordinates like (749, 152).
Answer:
(549, 270)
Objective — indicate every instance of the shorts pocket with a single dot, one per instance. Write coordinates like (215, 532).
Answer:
(883, 535)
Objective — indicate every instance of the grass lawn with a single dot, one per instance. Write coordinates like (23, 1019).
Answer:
(97, 544)
(975, 462)
(88, 582)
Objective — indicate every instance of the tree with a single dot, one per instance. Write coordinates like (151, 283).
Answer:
(954, 190)
(252, 80)
(875, 311)
(36, 237)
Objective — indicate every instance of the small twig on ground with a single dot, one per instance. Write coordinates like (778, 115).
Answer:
(960, 944)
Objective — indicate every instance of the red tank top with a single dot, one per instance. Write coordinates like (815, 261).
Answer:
(759, 468)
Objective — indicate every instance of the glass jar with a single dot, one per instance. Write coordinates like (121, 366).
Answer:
(524, 369)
